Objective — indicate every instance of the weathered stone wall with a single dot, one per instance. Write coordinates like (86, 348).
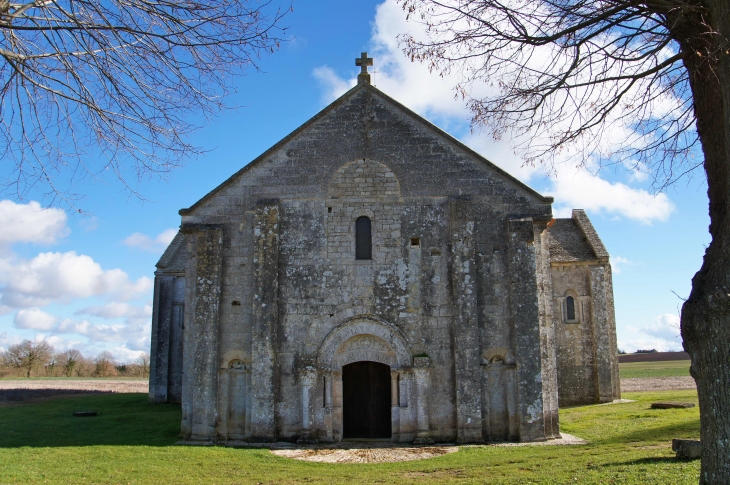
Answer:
(586, 345)
(454, 278)
(574, 339)
(167, 325)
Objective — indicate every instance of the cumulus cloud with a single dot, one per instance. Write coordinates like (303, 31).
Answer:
(584, 190)
(34, 318)
(433, 97)
(333, 86)
(147, 243)
(31, 223)
(133, 333)
(117, 310)
(63, 277)
(662, 334)
(618, 262)
(664, 327)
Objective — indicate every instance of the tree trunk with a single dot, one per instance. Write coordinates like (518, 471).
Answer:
(706, 314)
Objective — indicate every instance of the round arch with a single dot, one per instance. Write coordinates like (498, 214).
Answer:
(366, 337)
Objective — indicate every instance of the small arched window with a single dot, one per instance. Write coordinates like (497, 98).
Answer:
(570, 308)
(363, 239)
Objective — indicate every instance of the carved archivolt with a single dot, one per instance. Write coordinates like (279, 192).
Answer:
(364, 347)
(364, 338)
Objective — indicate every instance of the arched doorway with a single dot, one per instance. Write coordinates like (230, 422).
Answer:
(366, 400)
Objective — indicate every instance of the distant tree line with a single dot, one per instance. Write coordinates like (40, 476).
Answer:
(38, 359)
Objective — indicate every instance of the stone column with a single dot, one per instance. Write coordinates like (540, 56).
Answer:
(422, 376)
(224, 403)
(327, 381)
(525, 316)
(337, 406)
(201, 337)
(606, 353)
(395, 405)
(465, 325)
(307, 378)
(548, 353)
(265, 317)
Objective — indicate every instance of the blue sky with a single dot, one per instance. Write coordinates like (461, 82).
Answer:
(86, 281)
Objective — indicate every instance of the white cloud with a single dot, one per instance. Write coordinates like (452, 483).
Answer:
(333, 86)
(662, 334)
(617, 262)
(117, 310)
(587, 191)
(63, 277)
(123, 354)
(664, 327)
(31, 223)
(134, 333)
(156, 244)
(34, 318)
(61, 344)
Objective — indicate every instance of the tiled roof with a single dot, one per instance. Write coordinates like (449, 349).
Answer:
(575, 239)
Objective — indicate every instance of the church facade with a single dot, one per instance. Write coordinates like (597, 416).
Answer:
(370, 276)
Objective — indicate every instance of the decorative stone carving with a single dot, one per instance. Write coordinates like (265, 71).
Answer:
(329, 352)
(364, 347)
(421, 361)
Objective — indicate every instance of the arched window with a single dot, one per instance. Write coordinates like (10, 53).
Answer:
(569, 308)
(363, 239)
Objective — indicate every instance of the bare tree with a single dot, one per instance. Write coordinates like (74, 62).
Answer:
(113, 86)
(28, 355)
(70, 361)
(574, 73)
(143, 362)
(105, 365)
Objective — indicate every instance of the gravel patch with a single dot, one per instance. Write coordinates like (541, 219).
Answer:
(387, 452)
(363, 453)
(641, 384)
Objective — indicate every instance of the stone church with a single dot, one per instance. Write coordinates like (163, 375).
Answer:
(370, 276)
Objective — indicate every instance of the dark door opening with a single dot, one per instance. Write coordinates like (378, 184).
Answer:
(366, 400)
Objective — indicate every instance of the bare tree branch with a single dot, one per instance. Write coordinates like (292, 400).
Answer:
(88, 87)
(564, 75)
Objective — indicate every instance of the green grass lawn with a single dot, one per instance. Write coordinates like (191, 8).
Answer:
(132, 442)
(665, 368)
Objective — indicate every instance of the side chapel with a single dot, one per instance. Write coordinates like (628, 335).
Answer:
(370, 276)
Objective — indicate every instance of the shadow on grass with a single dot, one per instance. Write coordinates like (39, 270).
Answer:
(123, 419)
(662, 460)
(683, 429)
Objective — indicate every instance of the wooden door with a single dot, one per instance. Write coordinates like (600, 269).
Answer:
(366, 400)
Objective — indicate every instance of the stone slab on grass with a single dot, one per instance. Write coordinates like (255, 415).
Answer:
(672, 405)
(686, 449)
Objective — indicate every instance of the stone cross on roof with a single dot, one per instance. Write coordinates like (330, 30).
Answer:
(363, 61)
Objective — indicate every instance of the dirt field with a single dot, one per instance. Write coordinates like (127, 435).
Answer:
(16, 391)
(657, 384)
(99, 385)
